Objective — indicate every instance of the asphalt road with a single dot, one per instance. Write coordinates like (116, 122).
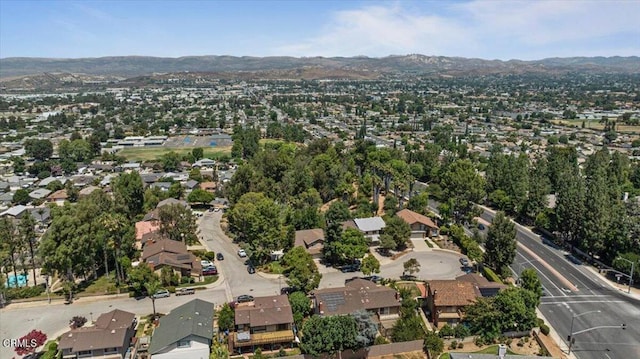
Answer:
(53, 319)
(560, 303)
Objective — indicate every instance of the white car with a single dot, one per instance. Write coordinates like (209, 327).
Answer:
(205, 263)
(242, 253)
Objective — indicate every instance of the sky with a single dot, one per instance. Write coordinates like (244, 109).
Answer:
(488, 29)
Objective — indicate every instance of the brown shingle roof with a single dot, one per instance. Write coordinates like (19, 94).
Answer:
(412, 217)
(110, 331)
(164, 245)
(265, 311)
(452, 292)
(358, 294)
(310, 239)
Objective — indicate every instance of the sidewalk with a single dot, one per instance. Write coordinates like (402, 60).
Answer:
(623, 288)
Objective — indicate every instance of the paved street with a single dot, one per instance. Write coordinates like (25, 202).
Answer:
(561, 303)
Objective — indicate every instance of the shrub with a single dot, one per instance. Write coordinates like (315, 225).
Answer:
(380, 340)
(282, 352)
(491, 275)
(544, 329)
(25, 292)
(453, 345)
(460, 345)
(479, 341)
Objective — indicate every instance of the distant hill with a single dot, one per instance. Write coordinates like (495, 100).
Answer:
(132, 66)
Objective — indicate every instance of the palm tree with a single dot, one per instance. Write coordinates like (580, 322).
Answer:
(152, 287)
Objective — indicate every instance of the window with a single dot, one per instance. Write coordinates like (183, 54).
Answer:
(184, 343)
(385, 310)
(111, 351)
(84, 353)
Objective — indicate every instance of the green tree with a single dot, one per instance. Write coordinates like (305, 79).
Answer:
(461, 331)
(195, 175)
(419, 203)
(27, 229)
(352, 246)
(152, 287)
(197, 153)
(18, 164)
(39, 149)
(55, 185)
(409, 326)
(500, 245)
(200, 196)
(178, 223)
(11, 245)
(128, 194)
(302, 273)
(170, 161)
(21, 197)
(570, 207)
(398, 231)
(300, 306)
(464, 186)
(411, 266)
(226, 318)
(529, 280)
(433, 344)
(370, 265)
(330, 334)
(140, 275)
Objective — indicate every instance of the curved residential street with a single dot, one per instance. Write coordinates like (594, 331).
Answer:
(20, 318)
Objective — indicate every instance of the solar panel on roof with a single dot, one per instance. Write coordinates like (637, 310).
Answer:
(333, 300)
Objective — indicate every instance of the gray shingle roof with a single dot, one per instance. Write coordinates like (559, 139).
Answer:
(192, 318)
(370, 224)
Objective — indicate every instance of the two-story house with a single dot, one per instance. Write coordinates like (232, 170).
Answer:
(359, 294)
(447, 299)
(421, 226)
(185, 333)
(266, 322)
(110, 337)
(172, 254)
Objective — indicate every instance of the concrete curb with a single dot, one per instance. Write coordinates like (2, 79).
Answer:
(555, 336)
(635, 293)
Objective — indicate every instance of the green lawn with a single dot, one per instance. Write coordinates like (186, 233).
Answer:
(153, 153)
(102, 285)
(207, 280)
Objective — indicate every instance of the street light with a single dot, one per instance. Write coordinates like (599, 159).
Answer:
(630, 274)
(571, 330)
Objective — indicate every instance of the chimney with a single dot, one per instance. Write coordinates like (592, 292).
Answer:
(502, 351)
(435, 295)
(321, 307)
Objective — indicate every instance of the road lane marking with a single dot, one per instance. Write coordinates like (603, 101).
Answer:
(585, 301)
(544, 275)
(549, 267)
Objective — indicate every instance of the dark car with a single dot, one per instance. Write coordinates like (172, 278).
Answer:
(219, 256)
(373, 278)
(349, 268)
(287, 290)
(573, 259)
(251, 269)
(481, 226)
(464, 262)
(244, 298)
(212, 270)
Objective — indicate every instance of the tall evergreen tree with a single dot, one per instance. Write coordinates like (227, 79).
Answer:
(501, 244)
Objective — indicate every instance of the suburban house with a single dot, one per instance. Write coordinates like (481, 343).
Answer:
(312, 240)
(172, 201)
(266, 322)
(110, 337)
(144, 227)
(87, 191)
(58, 197)
(447, 299)
(371, 227)
(208, 186)
(186, 332)
(16, 212)
(171, 254)
(486, 288)
(421, 226)
(360, 294)
(39, 193)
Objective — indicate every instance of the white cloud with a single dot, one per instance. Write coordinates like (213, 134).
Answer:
(488, 29)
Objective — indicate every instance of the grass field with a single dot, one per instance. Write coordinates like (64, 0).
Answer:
(595, 125)
(153, 153)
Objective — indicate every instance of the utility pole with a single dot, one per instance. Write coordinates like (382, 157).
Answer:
(571, 334)
(630, 274)
(622, 326)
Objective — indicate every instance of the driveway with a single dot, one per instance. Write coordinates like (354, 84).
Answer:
(420, 245)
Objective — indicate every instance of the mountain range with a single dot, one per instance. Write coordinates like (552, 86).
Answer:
(132, 66)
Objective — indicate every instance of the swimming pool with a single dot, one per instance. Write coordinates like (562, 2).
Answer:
(21, 281)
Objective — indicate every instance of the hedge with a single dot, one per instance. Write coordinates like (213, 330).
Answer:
(491, 275)
(25, 292)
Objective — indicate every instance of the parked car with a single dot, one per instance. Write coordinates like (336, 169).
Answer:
(244, 298)
(573, 259)
(350, 268)
(251, 269)
(287, 290)
(242, 253)
(162, 293)
(211, 270)
(464, 262)
(219, 256)
(373, 278)
(205, 263)
(481, 227)
(185, 291)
